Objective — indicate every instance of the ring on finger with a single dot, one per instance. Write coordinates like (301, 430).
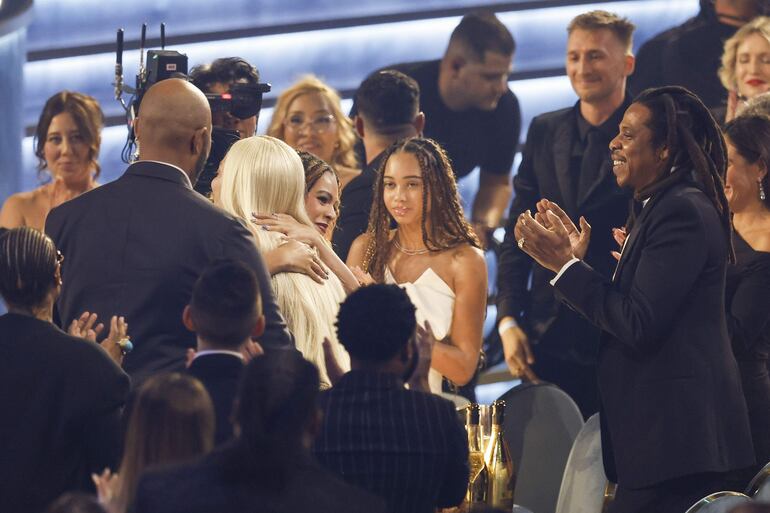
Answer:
(520, 243)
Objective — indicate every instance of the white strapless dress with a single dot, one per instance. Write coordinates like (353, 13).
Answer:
(434, 301)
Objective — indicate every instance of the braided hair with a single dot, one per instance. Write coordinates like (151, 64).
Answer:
(28, 260)
(680, 121)
(447, 227)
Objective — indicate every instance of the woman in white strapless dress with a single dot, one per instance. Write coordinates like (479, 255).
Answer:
(433, 254)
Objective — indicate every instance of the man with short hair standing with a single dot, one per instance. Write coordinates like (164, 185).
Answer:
(567, 157)
(135, 246)
(471, 112)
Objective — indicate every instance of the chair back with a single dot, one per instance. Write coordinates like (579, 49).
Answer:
(540, 425)
(719, 502)
(759, 488)
(584, 482)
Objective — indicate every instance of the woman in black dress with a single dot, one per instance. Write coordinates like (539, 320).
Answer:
(748, 281)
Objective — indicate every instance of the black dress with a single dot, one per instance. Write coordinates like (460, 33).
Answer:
(748, 319)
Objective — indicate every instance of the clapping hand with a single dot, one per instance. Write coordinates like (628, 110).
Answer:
(85, 327)
(333, 369)
(424, 342)
(117, 343)
(578, 239)
(550, 248)
(619, 234)
(106, 485)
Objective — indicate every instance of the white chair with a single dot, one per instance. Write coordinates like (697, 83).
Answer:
(541, 423)
(719, 502)
(759, 488)
(584, 482)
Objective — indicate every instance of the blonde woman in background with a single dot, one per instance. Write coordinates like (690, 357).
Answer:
(745, 70)
(264, 174)
(308, 117)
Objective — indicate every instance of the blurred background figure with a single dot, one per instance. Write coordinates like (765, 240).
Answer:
(171, 421)
(264, 175)
(688, 55)
(61, 396)
(747, 188)
(76, 502)
(308, 117)
(269, 463)
(745, 70)
(67, 140)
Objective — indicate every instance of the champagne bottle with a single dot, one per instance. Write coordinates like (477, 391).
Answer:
(478, 481)
(502, 479)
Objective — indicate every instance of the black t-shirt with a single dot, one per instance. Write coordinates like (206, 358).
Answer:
(473, 137)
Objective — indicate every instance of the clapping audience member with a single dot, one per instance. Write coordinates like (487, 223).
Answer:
(308, 117)
(388, 109)
(225, 313)
(747, 189)
(268, 466)
(67, 140)
(61, 396)
(264, 174)
(673, 418)
(172, 421)
(432, 253)
(322, 203)
(688, 54)
(135, 246)
(418, 463)
(745, 70)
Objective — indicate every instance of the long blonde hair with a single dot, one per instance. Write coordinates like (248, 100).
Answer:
(264, 174)
(345, 153)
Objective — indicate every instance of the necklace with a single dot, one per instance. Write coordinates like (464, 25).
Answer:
(410, 252)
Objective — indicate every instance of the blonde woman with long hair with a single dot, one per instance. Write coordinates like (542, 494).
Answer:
(308, 117)
(264, 174)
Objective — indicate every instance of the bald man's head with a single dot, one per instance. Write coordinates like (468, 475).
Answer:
(174, 125)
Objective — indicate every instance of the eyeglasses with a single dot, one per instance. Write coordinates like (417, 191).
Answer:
(318, 124)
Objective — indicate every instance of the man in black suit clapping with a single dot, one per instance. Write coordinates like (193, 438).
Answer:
(136, 246)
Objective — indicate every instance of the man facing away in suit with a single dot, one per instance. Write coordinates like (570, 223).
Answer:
(407, 446)
(136, 246)
(567, 157)
(225, 313)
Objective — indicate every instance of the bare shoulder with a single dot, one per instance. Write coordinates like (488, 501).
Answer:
(358, 250)
(468, 258)
(25, 209)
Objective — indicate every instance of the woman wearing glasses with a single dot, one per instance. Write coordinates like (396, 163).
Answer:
(308, 117)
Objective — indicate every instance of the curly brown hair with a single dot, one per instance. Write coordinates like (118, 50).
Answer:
(447, 227)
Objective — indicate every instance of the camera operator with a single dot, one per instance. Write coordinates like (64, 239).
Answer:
(217, 78)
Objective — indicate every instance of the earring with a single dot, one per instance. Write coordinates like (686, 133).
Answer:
(761, 190)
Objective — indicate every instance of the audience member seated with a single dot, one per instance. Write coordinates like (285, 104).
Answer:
(308, 117)
(471, 112)
(218, 77)
(128, 252)
(263, 174)
(745, 71)
(76, 502)
(388, 110)
(748, 303)
(67, 140)
(61, 396)
(688, 55)
(172, 421)
(268, 466)
(418, 463)
(225, 313)
(432, 253)
(322, 203)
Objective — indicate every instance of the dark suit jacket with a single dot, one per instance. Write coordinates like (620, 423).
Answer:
(203, 487)
(669, 384)
(135, 247)
(220, 373)
(405, 446)
(545, 173)
(60, 399)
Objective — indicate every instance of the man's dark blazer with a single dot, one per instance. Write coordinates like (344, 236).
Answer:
(545, 173)
(220, 373)
(60, 399)
(135, 247)
(203, 487)
(669, 385)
